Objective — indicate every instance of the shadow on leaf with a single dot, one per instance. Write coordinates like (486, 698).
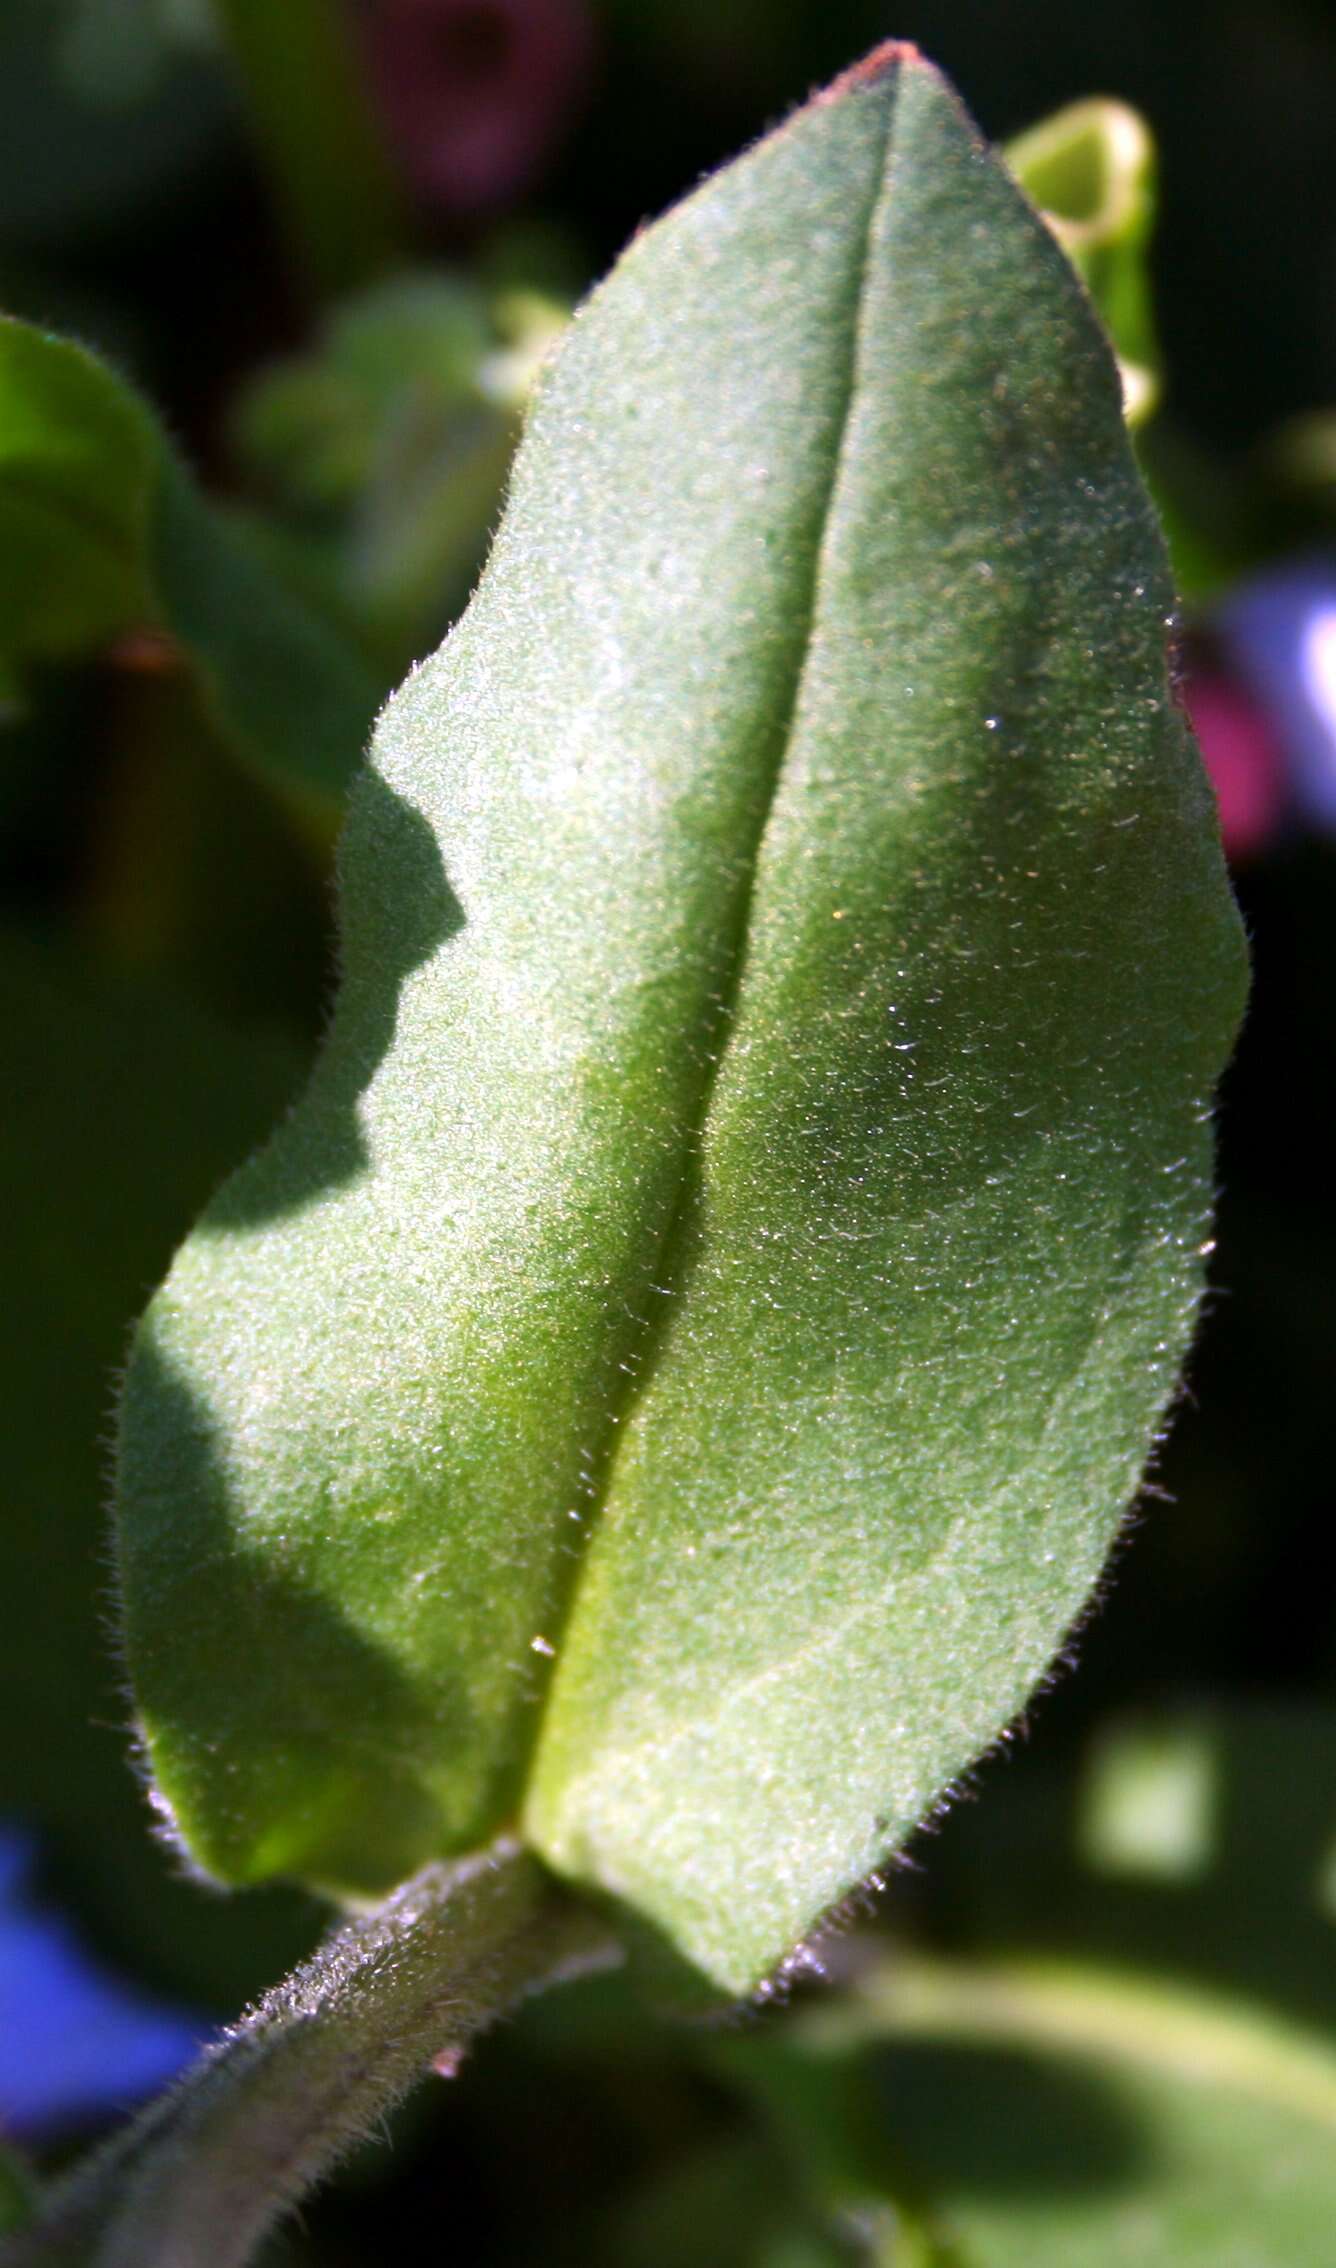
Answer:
(311, 1723)
(998, 2123)
(388, 931)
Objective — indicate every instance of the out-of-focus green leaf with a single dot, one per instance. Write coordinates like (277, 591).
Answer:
(1091, 170)
(733, 2206)
(1081, 2117)
(389, 446)
(319, 136)
(1197, 1842)
(104, 533)
(700, 2178)
(1062, 2094)
(1151, 1811)
(123, 1105)
(190, 870)
(740, 1238)
(118, 53)
(15, 2192)
(76, 469)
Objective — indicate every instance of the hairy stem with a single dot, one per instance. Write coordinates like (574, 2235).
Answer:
(203, 2177)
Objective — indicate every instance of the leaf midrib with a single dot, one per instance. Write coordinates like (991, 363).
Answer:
(665, 1268)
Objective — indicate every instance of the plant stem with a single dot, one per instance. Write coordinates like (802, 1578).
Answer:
(205, 2175)
(342, 210)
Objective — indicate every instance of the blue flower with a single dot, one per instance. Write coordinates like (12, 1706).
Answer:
(77, 2044)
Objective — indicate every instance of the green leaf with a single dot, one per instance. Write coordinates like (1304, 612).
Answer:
(1060, 2114)
(1064, 2095)
(316, 128)
(1091, 170)
(75, 474)
(730, 2206)
(742, 1232)
(387, 447)
(103, 532)
(1198, 1842)
(16, 2191)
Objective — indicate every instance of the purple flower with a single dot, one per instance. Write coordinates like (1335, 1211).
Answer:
(476, 91)
(1243, 758)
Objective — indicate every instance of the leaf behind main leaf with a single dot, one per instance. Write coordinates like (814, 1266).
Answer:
(104, 532)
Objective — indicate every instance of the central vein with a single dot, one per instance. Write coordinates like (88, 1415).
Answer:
(634, 1362)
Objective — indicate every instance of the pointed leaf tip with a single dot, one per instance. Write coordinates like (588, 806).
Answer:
(883, 62)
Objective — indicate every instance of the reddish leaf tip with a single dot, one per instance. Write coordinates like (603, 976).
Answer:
(892, 55)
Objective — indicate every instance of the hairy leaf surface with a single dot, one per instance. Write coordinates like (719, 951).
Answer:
(678, 1373)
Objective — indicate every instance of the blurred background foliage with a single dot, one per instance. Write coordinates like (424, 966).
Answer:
(304, 261)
